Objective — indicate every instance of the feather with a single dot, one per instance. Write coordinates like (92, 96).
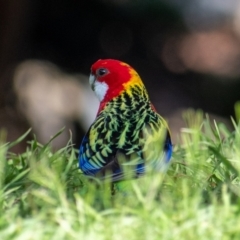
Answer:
(128, 137)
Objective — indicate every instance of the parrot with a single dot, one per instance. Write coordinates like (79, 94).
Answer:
(128, 137)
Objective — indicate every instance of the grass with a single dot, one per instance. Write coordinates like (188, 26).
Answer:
(43, 194)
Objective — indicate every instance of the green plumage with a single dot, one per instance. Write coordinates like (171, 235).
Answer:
(126, 137)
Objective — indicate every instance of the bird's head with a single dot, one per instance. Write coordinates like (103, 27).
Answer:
(109, 78)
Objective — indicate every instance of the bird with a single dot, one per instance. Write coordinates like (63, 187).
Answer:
(128, 137)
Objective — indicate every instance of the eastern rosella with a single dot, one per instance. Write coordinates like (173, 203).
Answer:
(128, 136)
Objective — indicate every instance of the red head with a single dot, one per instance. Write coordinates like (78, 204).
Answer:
(110, 77)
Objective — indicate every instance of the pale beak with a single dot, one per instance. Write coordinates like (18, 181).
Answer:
(92, 80)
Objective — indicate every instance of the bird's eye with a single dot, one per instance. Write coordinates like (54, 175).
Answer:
(102, 71)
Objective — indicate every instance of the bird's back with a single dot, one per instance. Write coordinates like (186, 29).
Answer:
(127, 136)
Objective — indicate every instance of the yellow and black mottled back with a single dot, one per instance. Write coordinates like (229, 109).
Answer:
(127, 137)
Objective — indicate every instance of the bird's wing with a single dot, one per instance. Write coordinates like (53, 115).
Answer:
(147, 147)
(98, 147)
(120, 150)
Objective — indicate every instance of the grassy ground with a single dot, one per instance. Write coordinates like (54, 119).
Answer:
(44, 196)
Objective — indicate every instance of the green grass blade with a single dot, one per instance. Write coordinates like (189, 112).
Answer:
(20, 139)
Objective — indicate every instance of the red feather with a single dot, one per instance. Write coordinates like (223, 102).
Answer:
(120, 74)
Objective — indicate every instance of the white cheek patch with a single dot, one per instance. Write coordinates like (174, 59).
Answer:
(100, 89)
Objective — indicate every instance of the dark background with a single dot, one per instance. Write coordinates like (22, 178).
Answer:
(187, 52)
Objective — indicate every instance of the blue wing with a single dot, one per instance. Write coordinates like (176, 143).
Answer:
(168, 148)
(98, 147)
(101, 154)
(84, 163)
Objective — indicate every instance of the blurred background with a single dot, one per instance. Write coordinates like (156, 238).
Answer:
(187, 53)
